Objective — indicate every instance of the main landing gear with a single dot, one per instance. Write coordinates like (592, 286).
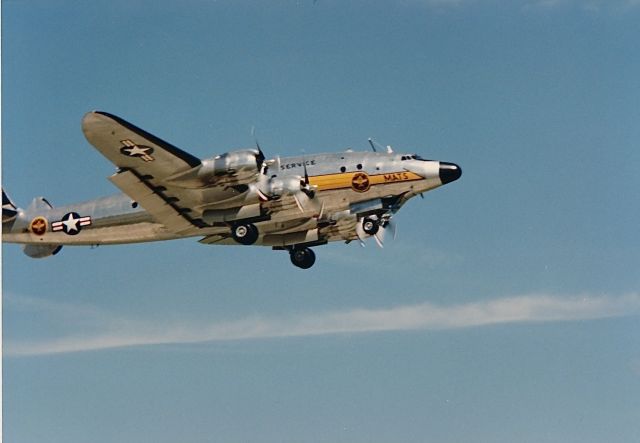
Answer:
(303, 258)
(245, 234)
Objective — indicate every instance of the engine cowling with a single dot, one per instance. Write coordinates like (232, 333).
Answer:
(240, 166)
(276, 187)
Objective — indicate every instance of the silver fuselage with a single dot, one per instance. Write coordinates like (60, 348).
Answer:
(348, 185)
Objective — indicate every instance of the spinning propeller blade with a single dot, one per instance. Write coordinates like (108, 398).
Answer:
(379, 237)
(304, 184)
(260, 156)
(308, 204)
(392, 227)
(297, 199)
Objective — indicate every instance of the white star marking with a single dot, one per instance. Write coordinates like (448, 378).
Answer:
(136, 150)
(71, 223)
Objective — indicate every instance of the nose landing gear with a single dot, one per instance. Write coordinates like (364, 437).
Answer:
(245, 234)
(370, 226)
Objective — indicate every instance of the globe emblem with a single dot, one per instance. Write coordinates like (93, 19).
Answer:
(360, 182)
(39, 225)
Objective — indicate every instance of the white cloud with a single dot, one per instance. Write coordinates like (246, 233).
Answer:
(586, 5)
(545, 3)
(444, 2)
(424, 316)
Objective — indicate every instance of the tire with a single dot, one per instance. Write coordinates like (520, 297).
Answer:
(303, 258)
(370, 226)
(245, 234)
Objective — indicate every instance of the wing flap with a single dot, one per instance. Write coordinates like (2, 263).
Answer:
(162, 209)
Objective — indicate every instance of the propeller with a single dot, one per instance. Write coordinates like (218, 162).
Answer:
(300, 188)
(305, 197)
(362, 236)
(260, 158)
(384, 227)
(304, 184)
(308, 204)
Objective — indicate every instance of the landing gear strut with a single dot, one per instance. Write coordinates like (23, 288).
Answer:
(245, 234)
(302, 257)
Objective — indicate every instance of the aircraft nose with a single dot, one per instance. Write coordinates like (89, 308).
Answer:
(449, 172)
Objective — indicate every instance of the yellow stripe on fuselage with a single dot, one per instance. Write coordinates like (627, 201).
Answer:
(346, 179)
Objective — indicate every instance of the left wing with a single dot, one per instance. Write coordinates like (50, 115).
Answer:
(129, 147)
(145, 163)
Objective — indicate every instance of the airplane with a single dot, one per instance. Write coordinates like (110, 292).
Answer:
(239, 197)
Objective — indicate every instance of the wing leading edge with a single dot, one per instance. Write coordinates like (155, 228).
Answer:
(128, 146)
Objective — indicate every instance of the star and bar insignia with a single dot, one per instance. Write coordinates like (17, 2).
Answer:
(130, 149)
(71, 223)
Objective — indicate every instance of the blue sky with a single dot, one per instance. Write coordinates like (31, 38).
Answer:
(506, 310)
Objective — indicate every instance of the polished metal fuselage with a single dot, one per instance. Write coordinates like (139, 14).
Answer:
(347, 185)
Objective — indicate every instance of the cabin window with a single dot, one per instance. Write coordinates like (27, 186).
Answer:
(343, 169)
(359, 166)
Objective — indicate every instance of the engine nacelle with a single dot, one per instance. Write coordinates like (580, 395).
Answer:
(237, 165)
(41, 251)
(277, 187)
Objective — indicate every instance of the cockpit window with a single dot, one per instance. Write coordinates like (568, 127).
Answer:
(413, 157)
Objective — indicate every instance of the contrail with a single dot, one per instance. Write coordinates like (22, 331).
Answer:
(119, 333)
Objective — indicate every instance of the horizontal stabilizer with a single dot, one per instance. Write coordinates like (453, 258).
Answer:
(9, 210)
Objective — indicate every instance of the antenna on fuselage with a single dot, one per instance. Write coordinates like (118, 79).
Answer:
(373, 144)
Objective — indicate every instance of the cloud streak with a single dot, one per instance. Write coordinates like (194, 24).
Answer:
(546, 5)
(120, 333)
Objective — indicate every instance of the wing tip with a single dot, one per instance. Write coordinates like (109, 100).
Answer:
(94, 121)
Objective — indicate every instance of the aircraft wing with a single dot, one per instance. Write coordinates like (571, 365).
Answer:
(129, 147)
(145, 162)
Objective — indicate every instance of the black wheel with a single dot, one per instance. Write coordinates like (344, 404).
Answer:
(370, 226)
(302, 257)
(245, 234)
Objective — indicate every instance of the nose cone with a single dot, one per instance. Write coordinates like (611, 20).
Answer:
(449, 172)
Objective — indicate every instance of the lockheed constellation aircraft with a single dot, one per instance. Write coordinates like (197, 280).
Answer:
(239, 197)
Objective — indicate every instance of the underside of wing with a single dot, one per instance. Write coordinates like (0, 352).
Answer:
(163, 207)
(145, 163)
